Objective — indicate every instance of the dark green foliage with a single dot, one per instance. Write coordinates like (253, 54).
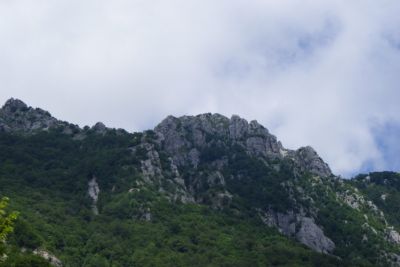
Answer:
(9, 255)
(383, 188)
(24, 260)
(260, 185)
(213, 152)
(47, 174)
(191, 235)
(346, 226)
(25, 236)
(256, 183)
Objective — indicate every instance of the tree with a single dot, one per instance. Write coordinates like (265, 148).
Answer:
(6, 222)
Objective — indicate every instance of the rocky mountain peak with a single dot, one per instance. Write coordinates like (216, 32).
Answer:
(100, 128)
(215, 141)
(218, 125)
(12, 105)
(240, 128)
(16, 116)
(185, 137)
(309, 159)
(190, 134)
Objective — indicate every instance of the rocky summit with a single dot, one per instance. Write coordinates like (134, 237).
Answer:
(202, 190)
(16, 116)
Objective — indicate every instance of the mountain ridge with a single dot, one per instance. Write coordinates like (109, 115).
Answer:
(16, 116)
(228, 165)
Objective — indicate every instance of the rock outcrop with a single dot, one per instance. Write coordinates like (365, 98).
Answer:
(93, 192)
(54, 261)
(99, 128)
(184, 137)
(308, 160)
(16, 116)
(393, 236)
(302, 228)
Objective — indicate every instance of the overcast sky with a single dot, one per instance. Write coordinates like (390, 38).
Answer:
(319, 73)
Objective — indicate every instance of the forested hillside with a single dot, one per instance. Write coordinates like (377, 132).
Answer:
(200, 190)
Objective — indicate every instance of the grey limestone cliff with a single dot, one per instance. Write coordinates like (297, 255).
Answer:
(16, 116)
(184, 137)
(302, 228)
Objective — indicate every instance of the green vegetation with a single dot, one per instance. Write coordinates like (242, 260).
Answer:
(6, 223)
(10, 256)
(383, 188)
(47, 175)
(6, 220)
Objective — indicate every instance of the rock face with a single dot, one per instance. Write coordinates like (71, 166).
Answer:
(303, 228)
(54, 261)
(184, 137)
(154, 174)
(393, 236)
(312, 236)
(191, 133)
(308, 159)
(93, 192)
(16, 116)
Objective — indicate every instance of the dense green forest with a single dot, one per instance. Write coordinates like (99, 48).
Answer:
(46, 175)
(196, 191)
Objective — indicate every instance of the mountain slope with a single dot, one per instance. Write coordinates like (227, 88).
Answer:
(200, 190)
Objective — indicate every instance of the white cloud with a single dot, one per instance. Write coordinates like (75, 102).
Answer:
(319, 73)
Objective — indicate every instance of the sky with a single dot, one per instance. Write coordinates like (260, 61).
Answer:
(319, 73)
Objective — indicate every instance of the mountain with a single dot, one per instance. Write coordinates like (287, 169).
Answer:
(202, 190)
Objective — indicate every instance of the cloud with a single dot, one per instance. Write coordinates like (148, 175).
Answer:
(315, 73)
